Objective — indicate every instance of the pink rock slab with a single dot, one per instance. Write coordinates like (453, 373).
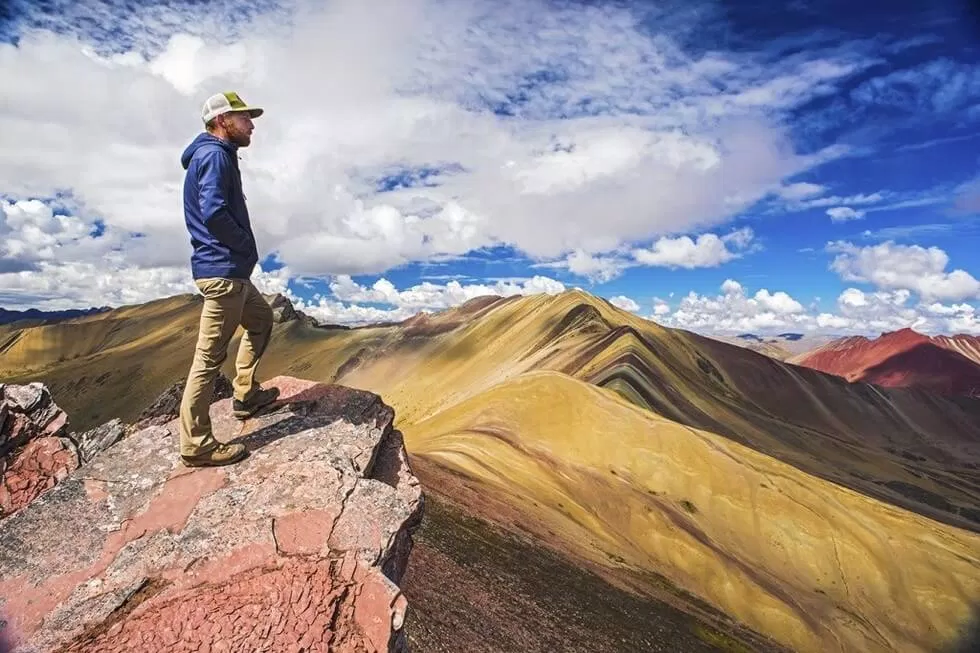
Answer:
(297, 548)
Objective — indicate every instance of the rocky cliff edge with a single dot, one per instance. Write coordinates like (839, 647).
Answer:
(298, 548)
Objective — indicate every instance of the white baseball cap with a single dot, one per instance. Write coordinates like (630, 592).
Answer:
(226, 102)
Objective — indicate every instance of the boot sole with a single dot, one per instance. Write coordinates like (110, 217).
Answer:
(243, 415)
(214, 463)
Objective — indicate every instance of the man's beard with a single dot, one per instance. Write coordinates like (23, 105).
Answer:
(241, 139)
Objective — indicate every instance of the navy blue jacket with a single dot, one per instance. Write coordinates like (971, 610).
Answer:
(215, 211)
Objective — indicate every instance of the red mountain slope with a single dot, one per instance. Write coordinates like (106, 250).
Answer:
(901, 359)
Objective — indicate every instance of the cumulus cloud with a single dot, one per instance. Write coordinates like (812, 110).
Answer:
(110, 282)
(857, 312)
(881, 311)
(889, 266)
(844, 213)
(31, 232)
(706, 250)
(345, 306)
(564, 131)
(598, 269)
(625, 303)
(734, 311)
(709, 250)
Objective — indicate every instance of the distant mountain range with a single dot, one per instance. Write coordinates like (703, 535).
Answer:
(781, 346)
(944, 364)
(36, 316)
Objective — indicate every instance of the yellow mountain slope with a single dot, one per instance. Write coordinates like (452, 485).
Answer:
(108, 365)
(817, 566)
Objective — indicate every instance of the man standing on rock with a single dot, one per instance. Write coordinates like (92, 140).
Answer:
(222, 263)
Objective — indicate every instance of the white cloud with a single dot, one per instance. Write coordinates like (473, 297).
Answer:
(844, 213)
(731, 287)
(620, 136)
(31, 232)
(273, 282)
(882, 311)
(734, 311)
(859, 199)
(625, 303)
(904, 267)
(857, 311)
(840, 206)
(110, 282)
(801, 190)
(425, 297)
(709, 250)
(804, 197)
(328, 311)
(778, 302)
(598, 269)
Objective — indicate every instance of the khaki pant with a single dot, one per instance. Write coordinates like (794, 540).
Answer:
(228, 303)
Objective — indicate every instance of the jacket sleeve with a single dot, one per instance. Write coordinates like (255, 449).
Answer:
(214, 183)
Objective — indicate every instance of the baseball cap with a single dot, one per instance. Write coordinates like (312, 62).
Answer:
(226, 102)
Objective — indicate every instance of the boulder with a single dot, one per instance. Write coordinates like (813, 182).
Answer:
(91, 442)
(35, 449)
(297, 548)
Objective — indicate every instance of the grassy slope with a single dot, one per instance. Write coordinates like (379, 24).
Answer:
(430, 367)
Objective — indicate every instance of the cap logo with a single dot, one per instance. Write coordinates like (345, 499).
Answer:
(234, 101)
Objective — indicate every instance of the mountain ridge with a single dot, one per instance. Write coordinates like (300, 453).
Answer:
(592, 374)
(903, 358)
(37, 316)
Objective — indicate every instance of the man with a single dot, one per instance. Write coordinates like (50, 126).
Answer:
(221, 264)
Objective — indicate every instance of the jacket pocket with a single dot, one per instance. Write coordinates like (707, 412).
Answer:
(220, 287)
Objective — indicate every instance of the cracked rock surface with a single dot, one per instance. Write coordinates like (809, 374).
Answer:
(35, 450)
(299, 547)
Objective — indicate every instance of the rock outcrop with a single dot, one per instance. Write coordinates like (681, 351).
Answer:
(297, 548)
(37, 449)
(35, 452)
(283, 310)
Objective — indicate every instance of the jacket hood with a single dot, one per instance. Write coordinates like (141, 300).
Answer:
(203, 139)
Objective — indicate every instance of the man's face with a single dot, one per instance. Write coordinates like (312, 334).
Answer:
(238, 127)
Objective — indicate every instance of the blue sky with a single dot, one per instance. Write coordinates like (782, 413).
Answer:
(719, 166)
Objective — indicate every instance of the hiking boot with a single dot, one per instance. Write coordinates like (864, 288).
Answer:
(223, 454)
(260, 399)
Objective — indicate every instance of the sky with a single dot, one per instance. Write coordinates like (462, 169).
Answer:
(720, 166)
